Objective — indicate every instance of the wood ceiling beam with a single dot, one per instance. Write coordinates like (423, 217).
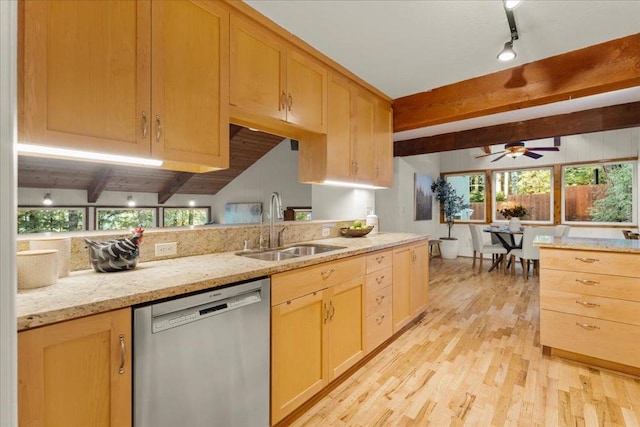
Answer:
(600, 68)
(173, 186)
(594, 120)
(99, 183)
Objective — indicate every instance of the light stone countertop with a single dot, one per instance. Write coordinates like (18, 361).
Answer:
(589, 244)
(86, 292)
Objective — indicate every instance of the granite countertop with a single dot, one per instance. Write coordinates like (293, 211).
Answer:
(589, 244)
(86, 292)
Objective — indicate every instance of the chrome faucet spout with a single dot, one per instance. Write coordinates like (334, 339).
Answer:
(275, 210)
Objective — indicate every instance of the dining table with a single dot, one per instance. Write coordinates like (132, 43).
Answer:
(508, 239)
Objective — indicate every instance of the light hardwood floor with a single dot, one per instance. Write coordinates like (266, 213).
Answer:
(475, 360)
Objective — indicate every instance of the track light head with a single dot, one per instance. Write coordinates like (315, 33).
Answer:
(507, 54)
(131, 201)
(47, 200)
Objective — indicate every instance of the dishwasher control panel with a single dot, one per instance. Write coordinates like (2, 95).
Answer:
(192, 314)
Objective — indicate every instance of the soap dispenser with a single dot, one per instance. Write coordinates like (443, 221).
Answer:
(372, 219)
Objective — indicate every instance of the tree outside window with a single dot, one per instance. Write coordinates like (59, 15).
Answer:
(125, 219)
(530, 188)
(40, 220)
(180, 217)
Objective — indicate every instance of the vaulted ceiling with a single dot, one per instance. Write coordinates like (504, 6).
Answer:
(246, 147)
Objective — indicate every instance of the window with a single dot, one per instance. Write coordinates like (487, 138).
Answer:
(180, 217)
(530, 188)
(124, 219)
(472, 189)
(599, 193)
(39, 220)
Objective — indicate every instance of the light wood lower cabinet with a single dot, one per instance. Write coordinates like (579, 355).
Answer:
(76, 373)
(589, 304)
(410, 283)
(315, 337)
(378, 296)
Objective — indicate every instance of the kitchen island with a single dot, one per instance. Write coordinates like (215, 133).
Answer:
(590, 300)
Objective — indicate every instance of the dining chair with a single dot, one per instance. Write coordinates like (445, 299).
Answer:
(562, 230)
(479, 247)
(631, 235)
(529, 252)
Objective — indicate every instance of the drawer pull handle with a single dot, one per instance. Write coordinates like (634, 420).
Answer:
(123, 355)
(145, 125)
(283, 100)
(379, 258)
(380, 319)
(380, 279)
(326, 313)
(327, 273)
(588, 282)
(587, 304)
(379, 299)
(333, 310)
(587, 326)
(587, 260)
(158, 128)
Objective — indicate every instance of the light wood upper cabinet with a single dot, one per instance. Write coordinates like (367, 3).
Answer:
(137, 78)
(358, 146)
(190, 84)
(272, 80)
(76, 373)
(84, 77)
(410, 283)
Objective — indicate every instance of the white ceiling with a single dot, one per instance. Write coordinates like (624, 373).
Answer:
(404, 47)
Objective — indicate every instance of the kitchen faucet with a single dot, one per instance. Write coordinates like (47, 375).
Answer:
(275, 205)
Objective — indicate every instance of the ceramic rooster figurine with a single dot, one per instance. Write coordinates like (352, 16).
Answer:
(115, 255)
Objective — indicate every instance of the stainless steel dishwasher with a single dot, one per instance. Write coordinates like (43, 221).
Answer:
(203, 359)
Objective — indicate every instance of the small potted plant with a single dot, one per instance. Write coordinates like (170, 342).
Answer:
(513, 213)
(450, 205)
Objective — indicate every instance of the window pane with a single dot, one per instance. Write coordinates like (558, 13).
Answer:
(180, 217)
(125, 219)
(598, 193)
(472, 189)
(530, 188)
(39, 220)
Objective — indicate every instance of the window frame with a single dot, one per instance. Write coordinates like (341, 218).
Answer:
(634, 193)
(486, 194)
(552, 181)
(164, 209)
(83, 209)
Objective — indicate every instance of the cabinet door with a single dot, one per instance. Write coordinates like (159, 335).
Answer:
(346, 317)
(401, 287)
(76, 373)
(419, 278)
(306, 92)
(257, 70)
(190, 97)
(383, 140)
(362, 144)
(84, 79)
(339, 164)
(298, 352)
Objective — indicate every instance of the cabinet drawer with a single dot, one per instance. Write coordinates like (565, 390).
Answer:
(379, 260)
(627, 288)
(379, 279)
(379, 329)
(613, 341)
(295, 283)
(377, 300)
(619, 264)
(590, 306)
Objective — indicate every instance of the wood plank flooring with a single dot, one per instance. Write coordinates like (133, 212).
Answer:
(475, 360)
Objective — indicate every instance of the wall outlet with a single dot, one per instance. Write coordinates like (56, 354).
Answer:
(326, 231)
(166, 249)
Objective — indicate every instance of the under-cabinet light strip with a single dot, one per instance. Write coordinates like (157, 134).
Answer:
(351, 184)
(85, 155)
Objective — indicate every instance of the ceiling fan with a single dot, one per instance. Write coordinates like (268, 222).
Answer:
(517, 149)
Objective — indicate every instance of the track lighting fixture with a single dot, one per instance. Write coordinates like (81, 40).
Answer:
(47, 200)
(507, 53)
(130, 201)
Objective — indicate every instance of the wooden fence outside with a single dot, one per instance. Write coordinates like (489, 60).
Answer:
(578, 200)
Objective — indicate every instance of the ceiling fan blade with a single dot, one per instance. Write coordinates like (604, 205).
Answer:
(490, 154)
(498, 158)
(544, 149)
(532, 155)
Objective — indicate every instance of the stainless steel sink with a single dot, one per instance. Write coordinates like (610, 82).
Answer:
(310, 249)
(290, 252)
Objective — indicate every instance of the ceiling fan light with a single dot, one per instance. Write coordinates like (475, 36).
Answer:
(507, 54)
